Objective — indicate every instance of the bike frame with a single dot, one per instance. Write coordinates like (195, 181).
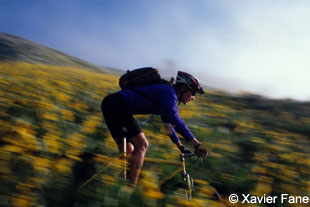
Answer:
(189, 181)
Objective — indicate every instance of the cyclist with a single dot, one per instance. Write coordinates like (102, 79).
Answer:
(161, 99)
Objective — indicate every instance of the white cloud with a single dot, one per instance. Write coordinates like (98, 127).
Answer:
(275, 51)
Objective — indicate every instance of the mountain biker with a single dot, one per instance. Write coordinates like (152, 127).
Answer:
(161, 99)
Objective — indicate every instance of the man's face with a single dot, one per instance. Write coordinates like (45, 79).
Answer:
(187, 97)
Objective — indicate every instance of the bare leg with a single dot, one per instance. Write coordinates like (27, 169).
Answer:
(140, 144)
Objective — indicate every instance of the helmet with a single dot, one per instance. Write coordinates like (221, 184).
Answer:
(190, 81)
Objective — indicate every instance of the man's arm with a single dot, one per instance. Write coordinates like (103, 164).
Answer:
(195, 142)
(200, 150)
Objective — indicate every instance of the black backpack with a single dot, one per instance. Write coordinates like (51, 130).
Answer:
(141, 77)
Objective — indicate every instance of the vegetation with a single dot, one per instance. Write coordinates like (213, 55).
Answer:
(13, 48)
(53, 138)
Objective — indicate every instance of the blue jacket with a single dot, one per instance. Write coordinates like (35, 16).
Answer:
(160, 100)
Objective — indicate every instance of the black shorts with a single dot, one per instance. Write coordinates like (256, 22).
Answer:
(119, 120)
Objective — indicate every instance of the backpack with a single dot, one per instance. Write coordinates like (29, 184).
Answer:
(141, 77)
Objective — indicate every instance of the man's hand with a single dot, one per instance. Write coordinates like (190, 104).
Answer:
(201, 151)
(184, 150)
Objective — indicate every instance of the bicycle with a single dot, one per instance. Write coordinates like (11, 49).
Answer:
(188, 184)
(188, 180)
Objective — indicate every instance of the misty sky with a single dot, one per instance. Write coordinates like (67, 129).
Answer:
(258, 46)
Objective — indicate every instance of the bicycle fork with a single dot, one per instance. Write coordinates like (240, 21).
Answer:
(187, 179)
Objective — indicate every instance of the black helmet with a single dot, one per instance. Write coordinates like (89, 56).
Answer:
(190, 81)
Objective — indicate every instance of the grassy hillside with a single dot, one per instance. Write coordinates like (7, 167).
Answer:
(14, 48)
(53, 138)
(50, 115)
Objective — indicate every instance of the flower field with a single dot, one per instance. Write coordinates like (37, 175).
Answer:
(53, 139)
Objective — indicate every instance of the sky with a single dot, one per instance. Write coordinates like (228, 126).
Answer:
(260, 47)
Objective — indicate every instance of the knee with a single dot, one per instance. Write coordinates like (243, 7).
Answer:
(140, 143)
(145, 145)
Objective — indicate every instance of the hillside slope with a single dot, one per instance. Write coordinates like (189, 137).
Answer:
(53, 138)
(14, 48)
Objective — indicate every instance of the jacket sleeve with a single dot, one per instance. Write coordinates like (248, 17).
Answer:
(170, 114)
(170, 131)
